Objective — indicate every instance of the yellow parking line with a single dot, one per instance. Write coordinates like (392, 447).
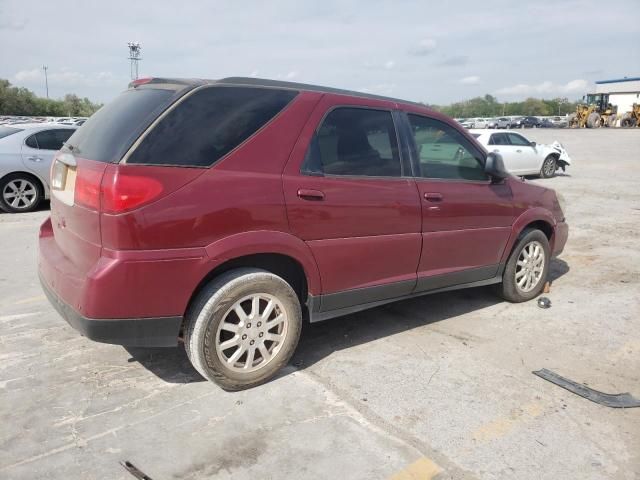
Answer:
(30, 300)
(422, 469)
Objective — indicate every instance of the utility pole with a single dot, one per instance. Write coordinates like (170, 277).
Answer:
(46, 79)
(135, 50)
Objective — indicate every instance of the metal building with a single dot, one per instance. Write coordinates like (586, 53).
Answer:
(622, 92)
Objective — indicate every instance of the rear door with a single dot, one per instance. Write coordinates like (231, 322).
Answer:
(466, 219)
(39, 149)
(353, 201)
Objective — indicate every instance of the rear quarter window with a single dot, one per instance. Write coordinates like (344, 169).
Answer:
(6, 131)
(208, 124)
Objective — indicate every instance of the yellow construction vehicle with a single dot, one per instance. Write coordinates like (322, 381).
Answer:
(632, 118)
(596, 112)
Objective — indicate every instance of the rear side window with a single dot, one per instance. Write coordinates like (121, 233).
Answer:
(50, 139)
(355, 141)
(6, 131)
(209, 124)
(499, 139)
(108, 134)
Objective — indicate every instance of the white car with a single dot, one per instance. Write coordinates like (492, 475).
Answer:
(26, 152)
(524, 157)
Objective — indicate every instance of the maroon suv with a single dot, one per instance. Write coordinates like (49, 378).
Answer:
(225, 213)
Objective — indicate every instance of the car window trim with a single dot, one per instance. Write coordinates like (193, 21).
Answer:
(415, 159)
(356, 177)
(182, 98)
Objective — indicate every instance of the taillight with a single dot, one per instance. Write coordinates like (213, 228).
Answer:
(87, 189)
(122, 191)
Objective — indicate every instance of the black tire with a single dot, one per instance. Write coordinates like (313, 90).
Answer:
(211, 307)
(27, 203)
(594, 120)
(509, 289)
(627, 121)
(549, 167)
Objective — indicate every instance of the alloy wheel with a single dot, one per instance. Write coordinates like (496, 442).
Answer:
(251, 333)
(20, 193)
(530, 266)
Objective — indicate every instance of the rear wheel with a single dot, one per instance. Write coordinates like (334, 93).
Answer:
(242, 328)
(527, 268)
(20, 193)
(548, 169)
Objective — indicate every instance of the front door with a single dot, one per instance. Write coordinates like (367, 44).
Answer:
(466, 219)
(350, 198)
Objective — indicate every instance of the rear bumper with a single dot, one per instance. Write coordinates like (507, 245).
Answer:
(561, 234)
(140, 332)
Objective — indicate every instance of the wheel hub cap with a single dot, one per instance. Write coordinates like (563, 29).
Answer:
(251, 333)
(19, 194)
(530, 267)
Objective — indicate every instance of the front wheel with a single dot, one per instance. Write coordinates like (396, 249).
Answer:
(548, 169)
(243, 328)
(527, 268)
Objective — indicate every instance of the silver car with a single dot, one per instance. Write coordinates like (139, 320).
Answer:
(26, 152)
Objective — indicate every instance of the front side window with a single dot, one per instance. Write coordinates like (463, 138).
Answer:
(443, 152)
(355, 142)
(516, 139)
(209, 124)
(52, 139)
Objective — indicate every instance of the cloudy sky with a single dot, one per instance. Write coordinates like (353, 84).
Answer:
(436, 52)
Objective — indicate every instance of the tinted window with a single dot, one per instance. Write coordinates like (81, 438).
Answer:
(444, 152)
(355, 141)
(516, 139)
(109, 133)
(209, 124)
(6, 131)
(52, 139)
(499, 139)
(31, 142)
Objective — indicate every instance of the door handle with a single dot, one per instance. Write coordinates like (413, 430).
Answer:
(35, 159)
(496, 150)
(433, 197)
(306, 194)
(519, 151)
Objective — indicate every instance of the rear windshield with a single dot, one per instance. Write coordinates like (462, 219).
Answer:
(109, 133)
(6, 131)
(208, 124)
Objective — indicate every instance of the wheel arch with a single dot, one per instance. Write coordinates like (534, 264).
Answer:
(277, 252)
(537, 218)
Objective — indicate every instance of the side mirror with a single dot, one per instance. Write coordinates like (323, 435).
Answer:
(533, 144)
(494, 167)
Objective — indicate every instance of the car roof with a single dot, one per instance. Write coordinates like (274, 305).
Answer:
(267, 83)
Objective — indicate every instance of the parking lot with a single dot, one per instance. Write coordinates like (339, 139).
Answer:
(434, 387)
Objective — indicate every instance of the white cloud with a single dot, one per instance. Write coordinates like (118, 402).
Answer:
(424, 47)
(471, 80)
(547, 87)
(65, 77)
(29, 75)
(378, 89)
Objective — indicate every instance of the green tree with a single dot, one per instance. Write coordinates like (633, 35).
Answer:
(21, 101)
